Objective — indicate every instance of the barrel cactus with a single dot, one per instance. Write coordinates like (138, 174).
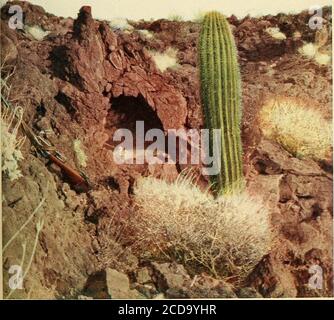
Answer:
(221, 94)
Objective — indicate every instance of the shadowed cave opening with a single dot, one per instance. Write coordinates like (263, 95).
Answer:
(124, 113)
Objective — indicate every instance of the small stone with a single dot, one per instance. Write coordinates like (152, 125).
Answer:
(208, 287)
(143, 276)
(110, 284)
(248, 292)
(169, 275)
(108, 87)
(148, 291)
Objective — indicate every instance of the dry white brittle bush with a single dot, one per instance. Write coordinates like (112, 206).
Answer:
(36, 32)
(226, 236)
(276, 33)
(11, 154)
(165, 60)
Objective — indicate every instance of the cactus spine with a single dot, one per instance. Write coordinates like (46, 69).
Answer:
(221, 93)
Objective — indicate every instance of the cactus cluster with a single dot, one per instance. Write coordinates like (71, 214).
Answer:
(221, 94)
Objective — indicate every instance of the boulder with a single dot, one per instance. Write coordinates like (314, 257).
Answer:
(110, 284)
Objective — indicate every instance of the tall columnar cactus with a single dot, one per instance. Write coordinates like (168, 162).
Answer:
(221, 93)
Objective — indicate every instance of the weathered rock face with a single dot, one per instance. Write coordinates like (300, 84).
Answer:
(300, 197)
(175, 282)
(64, 256)
(85, 80)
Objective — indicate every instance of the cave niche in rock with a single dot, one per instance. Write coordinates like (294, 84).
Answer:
(124, 113)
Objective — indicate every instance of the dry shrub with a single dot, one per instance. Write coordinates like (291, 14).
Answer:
(276, 33)
(308, 50)
(165, 60)
(120, 24)
(301, 130)
(37, 32)
(146, 33)
(315, 52)
(10, 143)
(175, 17)
(323, 58)
(226, 237)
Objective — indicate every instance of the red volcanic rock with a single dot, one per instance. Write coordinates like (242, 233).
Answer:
(84, 24)
(93, 57)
